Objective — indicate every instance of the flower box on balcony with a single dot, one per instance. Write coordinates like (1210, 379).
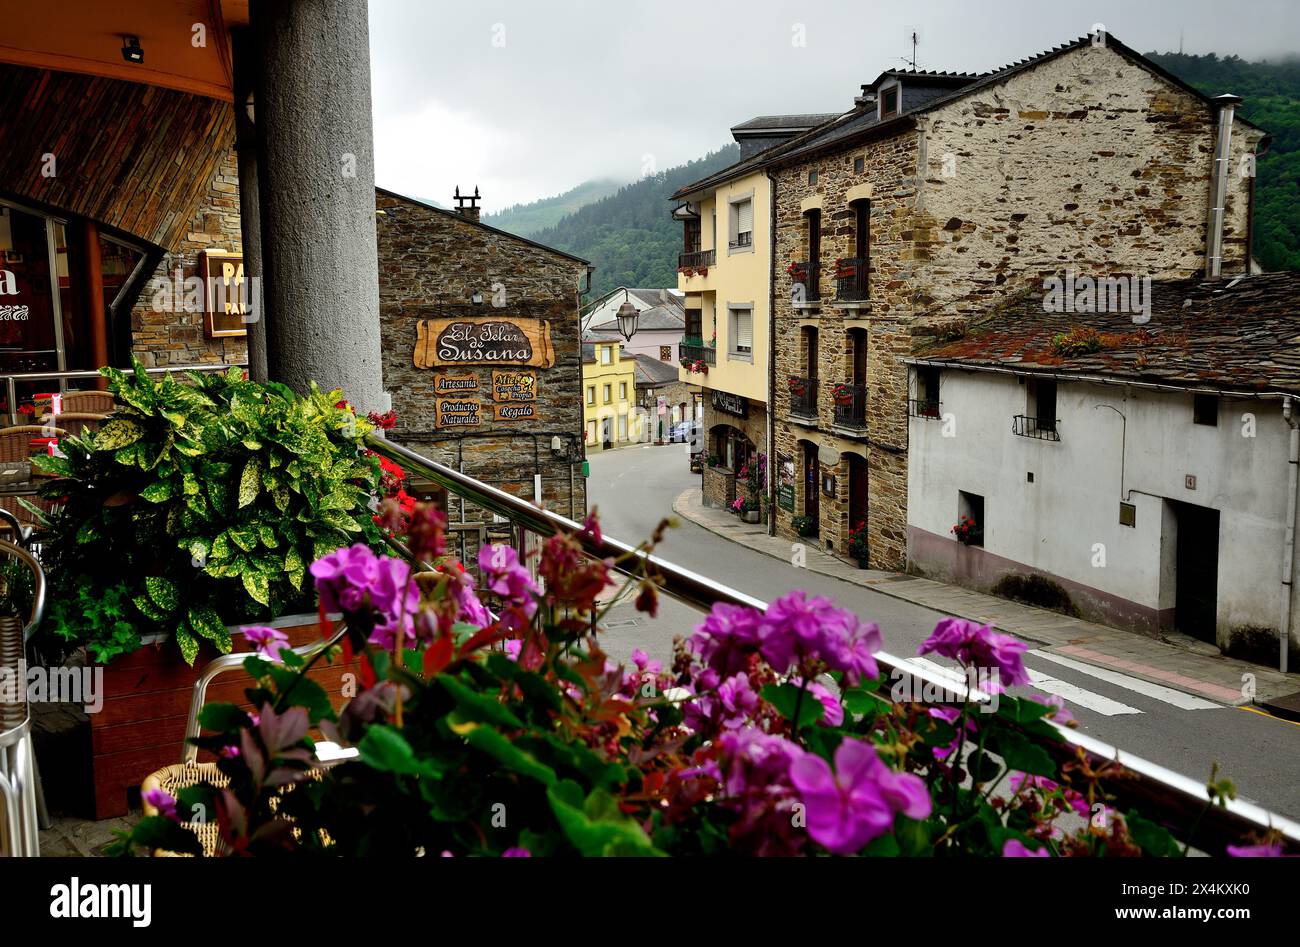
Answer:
(146, 700)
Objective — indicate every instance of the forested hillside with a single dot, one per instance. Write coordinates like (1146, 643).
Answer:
(1271, 91)
(630, 236)
(527, 219)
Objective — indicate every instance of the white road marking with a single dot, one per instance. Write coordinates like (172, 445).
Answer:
(1155, 691)
(1077, 695)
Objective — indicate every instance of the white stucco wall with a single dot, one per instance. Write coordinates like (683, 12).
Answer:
(1052, 524)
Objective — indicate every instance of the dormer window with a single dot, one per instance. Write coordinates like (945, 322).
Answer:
(889, 100)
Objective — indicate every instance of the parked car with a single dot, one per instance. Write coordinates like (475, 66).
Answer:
(685, 431)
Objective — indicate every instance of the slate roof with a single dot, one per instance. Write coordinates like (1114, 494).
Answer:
(1238, 334)
(653, 373)
(861, 123)
(764, 122)
(659, 318)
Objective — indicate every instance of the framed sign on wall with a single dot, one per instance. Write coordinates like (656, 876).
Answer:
(457, 412)
(445, 342)
(222, 274)
(514, 386)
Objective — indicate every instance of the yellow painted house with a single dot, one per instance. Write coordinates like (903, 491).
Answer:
(609, 408)
(725, 270)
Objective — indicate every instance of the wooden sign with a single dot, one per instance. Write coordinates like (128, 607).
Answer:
(442, 341)
(514, 412)
(457, 412)
(445, 384)
(222, 274)
(514, 386)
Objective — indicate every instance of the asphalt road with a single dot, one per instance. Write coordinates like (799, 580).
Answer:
(634, 488)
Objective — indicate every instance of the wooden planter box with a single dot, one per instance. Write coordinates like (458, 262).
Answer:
(141, 725)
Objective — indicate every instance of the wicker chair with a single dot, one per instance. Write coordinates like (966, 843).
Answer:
(96, 402)
(79, 422)
(21, 802)
(190, 772)
(16, 442)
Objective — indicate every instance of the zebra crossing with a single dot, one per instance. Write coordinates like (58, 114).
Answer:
(1043, 679)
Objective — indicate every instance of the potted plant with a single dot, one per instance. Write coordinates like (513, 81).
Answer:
(804, 525)
(845, 269)
(746, 509)
(842, 394)
(968, 532)
(798, 387)
(858, 548)
(798, 272)
(196, 508)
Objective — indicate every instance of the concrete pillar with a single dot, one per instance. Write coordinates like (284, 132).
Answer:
(316, 177)
(244, 54)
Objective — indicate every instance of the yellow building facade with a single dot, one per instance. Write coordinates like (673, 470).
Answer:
(609, 409)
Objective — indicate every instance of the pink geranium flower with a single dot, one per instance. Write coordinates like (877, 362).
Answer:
(1014, 848)
(267, 640)
(856, 802)
(978, 646)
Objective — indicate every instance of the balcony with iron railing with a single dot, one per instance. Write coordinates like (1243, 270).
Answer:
(696, 351)
(806, 274)
(696, 259)
(803, 397)
(1041, 429)
(924, 408)
(850, 407)
(851, 280)
(742, 240)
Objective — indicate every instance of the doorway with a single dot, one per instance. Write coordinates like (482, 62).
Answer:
(811, 484)
(1196, 577)
(857, 491)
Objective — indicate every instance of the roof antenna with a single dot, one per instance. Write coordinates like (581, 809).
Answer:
(912, 64)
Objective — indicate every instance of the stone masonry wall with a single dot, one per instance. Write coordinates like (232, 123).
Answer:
(1085, 161)
(430, 262)
(177, 338)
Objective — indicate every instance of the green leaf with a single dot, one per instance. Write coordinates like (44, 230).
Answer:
(784, 697)
(158, 491)
(223, 717)
(188, 644)
(1152, 838)
(250, 482)
(163, 592)
(267, 535)
(1020, 754)
(206, 622)
(489, 741)
(482, 708)
(245, 537)
(387, 750)
(257, 586)
(606, 835)
(117, 433)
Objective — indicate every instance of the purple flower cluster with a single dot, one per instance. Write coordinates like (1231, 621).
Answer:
(794, 630)
(978, 646)
(354, 578)
(844, 808)
(267, 640)
(506, 577)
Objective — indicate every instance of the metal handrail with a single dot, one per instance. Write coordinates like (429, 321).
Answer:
(11, 380)
(1158, 792)
(17, 551)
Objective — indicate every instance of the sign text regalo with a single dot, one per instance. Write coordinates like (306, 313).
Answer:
(442, 342)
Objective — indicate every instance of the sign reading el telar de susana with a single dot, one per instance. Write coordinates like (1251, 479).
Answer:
(443, 342)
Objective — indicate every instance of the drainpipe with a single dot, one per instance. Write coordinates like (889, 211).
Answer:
(1219, 186)
(1288, 535)
(770, 486)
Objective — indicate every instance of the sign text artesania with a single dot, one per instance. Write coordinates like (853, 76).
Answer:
(454, 384)
(441, 342)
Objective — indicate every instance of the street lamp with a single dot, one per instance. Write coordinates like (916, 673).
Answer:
(628, 315)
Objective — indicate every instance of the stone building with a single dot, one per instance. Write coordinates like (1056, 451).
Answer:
(939, 194)
(1140, 474)
(481, 350)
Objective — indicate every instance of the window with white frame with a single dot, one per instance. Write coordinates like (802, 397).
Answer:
(742, 224)
(607, 355)
(742, 331)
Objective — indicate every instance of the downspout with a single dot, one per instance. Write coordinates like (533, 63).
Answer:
(1288, 534)
(1219, 186)
(770, 486)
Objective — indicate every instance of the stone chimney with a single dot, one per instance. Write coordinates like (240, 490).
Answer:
(467, 206)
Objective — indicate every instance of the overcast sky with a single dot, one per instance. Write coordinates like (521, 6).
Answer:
(527, 98)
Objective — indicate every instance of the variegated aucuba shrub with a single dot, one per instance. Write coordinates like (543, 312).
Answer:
(201, 504)
(510, 733)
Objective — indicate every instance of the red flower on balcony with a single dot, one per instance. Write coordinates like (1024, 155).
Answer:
(842, 394)
(798, 386)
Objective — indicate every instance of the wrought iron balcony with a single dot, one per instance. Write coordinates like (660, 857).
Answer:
(806, 272)
(803, 397)
(697, 353)
(850, 406)
(851, 280)
(696, 259)
(924, 408)
(1024, 425)
(744, 239)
